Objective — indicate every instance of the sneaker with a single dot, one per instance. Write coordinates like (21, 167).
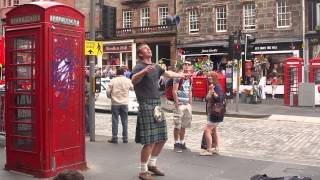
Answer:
(145, 176)
(183, 146)
(113, 141)
(155, 171)
(177, 148)
(205, 153)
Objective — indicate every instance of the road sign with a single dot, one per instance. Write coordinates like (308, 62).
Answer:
(93, 48)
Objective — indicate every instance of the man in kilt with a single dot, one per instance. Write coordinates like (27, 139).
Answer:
(150, 131)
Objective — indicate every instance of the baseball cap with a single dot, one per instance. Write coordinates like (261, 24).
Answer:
(187, 62)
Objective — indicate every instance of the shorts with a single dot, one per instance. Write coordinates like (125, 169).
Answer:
(182, 116)
(210, 123)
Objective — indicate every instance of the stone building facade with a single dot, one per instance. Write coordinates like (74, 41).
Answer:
(206, 25)
(142, 25)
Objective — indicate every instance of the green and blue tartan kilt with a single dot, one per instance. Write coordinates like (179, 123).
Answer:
(148, 131)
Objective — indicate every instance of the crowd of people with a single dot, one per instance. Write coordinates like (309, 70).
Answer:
(151, 126)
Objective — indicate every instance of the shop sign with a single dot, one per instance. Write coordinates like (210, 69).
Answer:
(204, 50)
(209, 51)
(117, 48)
(265, 48)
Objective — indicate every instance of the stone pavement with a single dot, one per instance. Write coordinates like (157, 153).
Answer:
(121, 162)
(249, 146)
(265, 139)
(267, 108)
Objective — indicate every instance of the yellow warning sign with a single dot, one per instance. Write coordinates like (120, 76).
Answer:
(93, 48)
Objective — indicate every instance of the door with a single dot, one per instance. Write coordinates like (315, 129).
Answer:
(67, 77)
(21, 108)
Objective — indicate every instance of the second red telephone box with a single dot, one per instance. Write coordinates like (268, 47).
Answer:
(314, 77)
(44, 89)
(292, 69)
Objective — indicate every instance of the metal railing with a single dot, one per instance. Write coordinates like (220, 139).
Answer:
(150, 30)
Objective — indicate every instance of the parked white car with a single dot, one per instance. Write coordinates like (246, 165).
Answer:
(104, 103)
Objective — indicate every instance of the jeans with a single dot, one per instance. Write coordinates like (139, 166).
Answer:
(121, 110)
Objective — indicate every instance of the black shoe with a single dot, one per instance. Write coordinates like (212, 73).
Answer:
(177, 148)
(113, 141)
(125, 141)
(183, 146)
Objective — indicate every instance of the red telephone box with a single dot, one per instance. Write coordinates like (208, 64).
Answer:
(44, 89)
(292, 77)
(314, 76)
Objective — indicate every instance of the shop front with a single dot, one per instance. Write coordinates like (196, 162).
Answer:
(119, 53)
(214, 55)
(267, 65)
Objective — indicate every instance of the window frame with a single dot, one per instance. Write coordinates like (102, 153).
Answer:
(194, 21)
(145, 17)
(318, 14)
(9, 3)
(249, 16)
(286, 13)
(127, 19)
(222, 19)
(162, 15)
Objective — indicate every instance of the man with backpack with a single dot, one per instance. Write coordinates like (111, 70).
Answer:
(182, 116)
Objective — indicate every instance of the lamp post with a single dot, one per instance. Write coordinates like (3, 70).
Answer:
(91, 98)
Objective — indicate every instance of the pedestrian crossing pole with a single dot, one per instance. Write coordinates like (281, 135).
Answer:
(92, 74)
(239, 57)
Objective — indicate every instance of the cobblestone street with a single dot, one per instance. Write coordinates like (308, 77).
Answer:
(272, 140)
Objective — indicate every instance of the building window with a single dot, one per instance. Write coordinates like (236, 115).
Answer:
(221, 19)
(193, 21)
(249, 16)
(318, 14)
(162, 14)
(283, 14)
(127, 19)
(9, 3)
(145, 17)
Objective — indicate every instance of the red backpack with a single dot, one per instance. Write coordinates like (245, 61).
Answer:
(169, 87)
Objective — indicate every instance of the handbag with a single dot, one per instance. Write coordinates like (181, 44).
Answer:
(218, 109)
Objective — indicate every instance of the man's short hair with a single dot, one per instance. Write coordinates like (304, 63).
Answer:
(69, 175)
(139, 48)
(120, 71)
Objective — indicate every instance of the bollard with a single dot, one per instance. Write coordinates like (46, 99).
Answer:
(291, 100)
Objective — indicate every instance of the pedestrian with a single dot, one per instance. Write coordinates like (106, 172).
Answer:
(87, 93)
(182, 116)
(118, 90)
(127, 73)
(215, 95)
(151, 131)
(69, 175)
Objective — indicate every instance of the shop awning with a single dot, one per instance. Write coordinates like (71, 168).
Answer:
(204, 44)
